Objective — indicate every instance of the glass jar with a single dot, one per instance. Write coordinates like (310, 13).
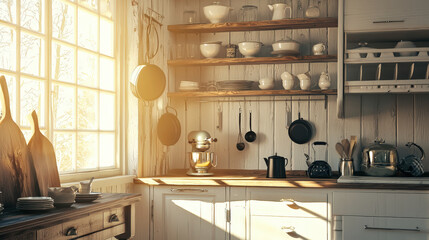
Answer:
(189, 17)
(248, 13)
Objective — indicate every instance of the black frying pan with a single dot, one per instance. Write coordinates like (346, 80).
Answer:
(300, 131)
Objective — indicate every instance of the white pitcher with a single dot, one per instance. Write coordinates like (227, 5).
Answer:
(288, 80)
(304, 81)
(324, 81)
(280, 11)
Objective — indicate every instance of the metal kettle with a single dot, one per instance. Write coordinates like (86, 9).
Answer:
(276, 166)
(412, 164)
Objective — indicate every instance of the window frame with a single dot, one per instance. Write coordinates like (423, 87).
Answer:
(118, 55)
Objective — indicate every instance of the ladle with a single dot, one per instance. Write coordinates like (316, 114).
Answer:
(250, 136)
(240, 144)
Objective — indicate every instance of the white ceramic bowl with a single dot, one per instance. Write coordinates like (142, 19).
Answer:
(286, 45)
(249, 49)
(406, 44)
(210, 49)
(216, 13)
(266, 81)
(266, 86)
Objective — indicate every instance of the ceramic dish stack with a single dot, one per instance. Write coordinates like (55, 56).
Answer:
(35, 203)
(189, 86)
(87, 197)
(234, 85)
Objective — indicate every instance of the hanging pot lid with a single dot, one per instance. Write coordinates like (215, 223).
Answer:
(147, 82)
(169, 128)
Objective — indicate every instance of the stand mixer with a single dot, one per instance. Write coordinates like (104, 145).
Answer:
(200, 160)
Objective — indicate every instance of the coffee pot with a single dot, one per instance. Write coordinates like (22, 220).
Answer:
(318, 168)
(280, 11)
(276, 166)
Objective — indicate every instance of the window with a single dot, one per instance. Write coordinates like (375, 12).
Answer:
(59, 58)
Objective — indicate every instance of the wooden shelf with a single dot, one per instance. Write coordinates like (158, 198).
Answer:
(249, 93)
(255, 25)
(253, 60)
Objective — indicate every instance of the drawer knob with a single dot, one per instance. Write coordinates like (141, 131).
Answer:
(288, 229)
(113, 218)
(71, 232)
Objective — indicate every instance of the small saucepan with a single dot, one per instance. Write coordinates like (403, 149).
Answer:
(300, 131)
(169, 127)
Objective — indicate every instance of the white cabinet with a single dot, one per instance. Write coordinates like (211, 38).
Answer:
(381, 215)
(279, 213)
(385, 14)
(191, 213)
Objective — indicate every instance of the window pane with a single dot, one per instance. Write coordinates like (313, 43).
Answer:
(8, 10)
(87, 69)
(87, 109)
(32, 98)
(11, 87)
(106, 7)
(107, 74)
(32, 55)
(65, 147)
(63, 21)
(107, 111)
(32, 14)
(106, 37)
(107, 150)
(92, 4)
(63, 59)
(64, 107)
(7, 48)
(88, 29)
(87, 151)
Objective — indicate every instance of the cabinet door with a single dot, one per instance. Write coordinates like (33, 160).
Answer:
(189, 213)
(380, 228)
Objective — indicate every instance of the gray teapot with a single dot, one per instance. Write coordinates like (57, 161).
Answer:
(412, 164)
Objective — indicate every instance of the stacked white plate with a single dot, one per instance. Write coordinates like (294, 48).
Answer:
(232, 85)
(1, 208)
(87, 197)
(189, 86)
(35, 203)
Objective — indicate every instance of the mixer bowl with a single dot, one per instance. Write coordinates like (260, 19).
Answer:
(201, 162)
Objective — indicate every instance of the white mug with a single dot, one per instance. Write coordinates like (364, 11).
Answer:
(319, 49)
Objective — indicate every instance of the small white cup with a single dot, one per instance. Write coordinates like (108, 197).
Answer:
(85, 187)
(266, 81)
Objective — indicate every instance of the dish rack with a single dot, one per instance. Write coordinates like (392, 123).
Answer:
(384, 70)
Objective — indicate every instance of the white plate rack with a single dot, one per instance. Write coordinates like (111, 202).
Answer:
(381, 57)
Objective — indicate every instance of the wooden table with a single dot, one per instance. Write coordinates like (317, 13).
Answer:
(111, 216)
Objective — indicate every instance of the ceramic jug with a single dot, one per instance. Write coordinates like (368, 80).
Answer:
(280, 11)
(324, 82)
(288, 80)
(319, 49)
(304, 80)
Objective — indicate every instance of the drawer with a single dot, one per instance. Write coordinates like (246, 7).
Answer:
(278, 202)
(73, 228)
(385, 14)
(264, 227)
(106, 233)
(381, 204)
(357, 228)
(113, 217)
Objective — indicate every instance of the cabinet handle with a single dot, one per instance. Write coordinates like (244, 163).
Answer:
(188, 190)
(417, 229)
(389, 21)
(288, 229)
(71, 232)
(113, 218)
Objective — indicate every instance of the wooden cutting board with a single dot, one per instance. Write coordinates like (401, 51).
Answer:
(45, 162)
(17, 175)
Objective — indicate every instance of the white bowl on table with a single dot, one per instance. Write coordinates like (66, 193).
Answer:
(210, 49)
(249, 48)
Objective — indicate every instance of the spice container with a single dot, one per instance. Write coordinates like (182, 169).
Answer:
(231, 51)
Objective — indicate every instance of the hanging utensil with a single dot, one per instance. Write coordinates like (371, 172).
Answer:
(346, 145)
(353, 140)
(300, 131)
(240, 143)
(250, 136)
(340, 150)
(168, 128)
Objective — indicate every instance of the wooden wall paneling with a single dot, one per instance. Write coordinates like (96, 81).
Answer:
(266, 129)
(223, 144)
(421, 126)
(369, 119)
(333, 8)
(352, 126)
(335, 132)
(236, 158)
(387, 118)
(208, 119)
(300, 105)
(298, 8)
(405, 123)
(193, 121)
(282, 120)
(322, 5)
(264, 12)
(251, 152)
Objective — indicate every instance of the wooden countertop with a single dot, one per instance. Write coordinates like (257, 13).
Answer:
(256, 178)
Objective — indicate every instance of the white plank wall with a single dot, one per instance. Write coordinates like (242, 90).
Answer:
(395, 118)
